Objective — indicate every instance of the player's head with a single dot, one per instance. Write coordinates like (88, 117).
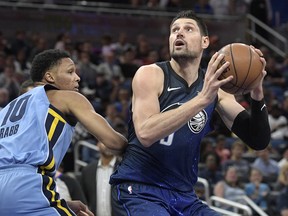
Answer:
(55, 67)
(188, 36)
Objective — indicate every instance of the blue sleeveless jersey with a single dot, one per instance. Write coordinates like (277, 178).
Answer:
(171, 162)
(33, 132)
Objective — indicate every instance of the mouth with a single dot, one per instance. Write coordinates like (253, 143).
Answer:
(179, 43)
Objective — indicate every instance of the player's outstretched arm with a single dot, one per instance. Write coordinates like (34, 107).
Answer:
(77, 105)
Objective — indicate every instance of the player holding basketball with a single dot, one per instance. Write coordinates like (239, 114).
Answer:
(35, 132)
(172, 107)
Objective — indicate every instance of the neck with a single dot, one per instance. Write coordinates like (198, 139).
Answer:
(187, 69)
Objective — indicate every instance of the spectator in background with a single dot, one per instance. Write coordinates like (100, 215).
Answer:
(103, 88)
(277, 122)
(121, 44)
(274, 80)
(22, 66)
(40, 46)
(236, 160)
(87, 71)
(2, 61)
(4, 97)
(109, 67)
(62, 40)
(20, 42)
(282, 201)
(26, 86)
(9, 80)
(127, 63)
(95, 179)
(68, 187)
(230, 187)
(106, 45)
(211, 170)
(122, 103)
(257, 190)
(143, 47)
(285, 104)
(220, 148)
(284, 158)
(268, 167)
(207, 146)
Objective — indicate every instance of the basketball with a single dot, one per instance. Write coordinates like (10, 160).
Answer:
(245, 67)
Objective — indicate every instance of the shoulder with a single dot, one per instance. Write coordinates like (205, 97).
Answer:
(66, 100)
(152, 69)
(148, 75)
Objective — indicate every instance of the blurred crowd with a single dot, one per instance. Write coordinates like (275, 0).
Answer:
(106, 72)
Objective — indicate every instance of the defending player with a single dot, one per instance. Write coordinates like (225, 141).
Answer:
(35, 132)
(172, 106)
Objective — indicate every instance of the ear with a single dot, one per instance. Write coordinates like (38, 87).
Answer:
(205, 42)
(48, 77)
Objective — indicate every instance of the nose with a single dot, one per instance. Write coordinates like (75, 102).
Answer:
(180, 33)
(77, 78)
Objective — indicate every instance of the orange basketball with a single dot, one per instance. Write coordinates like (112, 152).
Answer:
(245, 67)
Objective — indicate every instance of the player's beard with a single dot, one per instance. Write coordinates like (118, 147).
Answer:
(183, 55)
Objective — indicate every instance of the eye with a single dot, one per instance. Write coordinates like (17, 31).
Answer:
(175, 30)
(189, 29)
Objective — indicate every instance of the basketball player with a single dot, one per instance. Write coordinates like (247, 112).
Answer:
(35, 132)
(172, 105)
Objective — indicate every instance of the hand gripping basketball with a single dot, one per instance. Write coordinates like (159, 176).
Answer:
(245, 67)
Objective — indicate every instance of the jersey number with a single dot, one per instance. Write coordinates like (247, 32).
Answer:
(167, 140)
(16, 110)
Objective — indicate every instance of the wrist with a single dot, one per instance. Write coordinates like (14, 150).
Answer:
(258, 104)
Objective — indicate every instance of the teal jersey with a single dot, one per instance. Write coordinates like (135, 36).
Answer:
(33, 132)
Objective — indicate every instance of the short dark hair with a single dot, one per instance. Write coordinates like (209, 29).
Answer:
(45, 61)
(190, 14)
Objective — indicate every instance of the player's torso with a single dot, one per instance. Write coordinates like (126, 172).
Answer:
(175, 156)
(33, 132)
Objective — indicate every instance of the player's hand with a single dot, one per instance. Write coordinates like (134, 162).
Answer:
(257, 93)
(211, 82)
(79, 208)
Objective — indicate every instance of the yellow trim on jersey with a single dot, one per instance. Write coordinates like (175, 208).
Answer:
(56, 115)
(54, 123)
(52, 128)
(53, 197)
(48, 167)
(63, 208)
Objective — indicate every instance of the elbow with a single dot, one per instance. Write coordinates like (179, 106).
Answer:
(146, 142)
(145, 139)
(261, 142)
(118, 144)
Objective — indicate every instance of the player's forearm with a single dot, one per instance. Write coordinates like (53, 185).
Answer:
(253, 129)
(163, 124)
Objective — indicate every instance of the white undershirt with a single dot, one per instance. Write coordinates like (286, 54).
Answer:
(103, 202)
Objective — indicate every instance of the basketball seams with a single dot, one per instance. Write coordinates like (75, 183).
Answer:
(249, 67)
(235, 69)
(256, 78)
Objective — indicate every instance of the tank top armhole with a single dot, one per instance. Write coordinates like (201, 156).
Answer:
(164, 67)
